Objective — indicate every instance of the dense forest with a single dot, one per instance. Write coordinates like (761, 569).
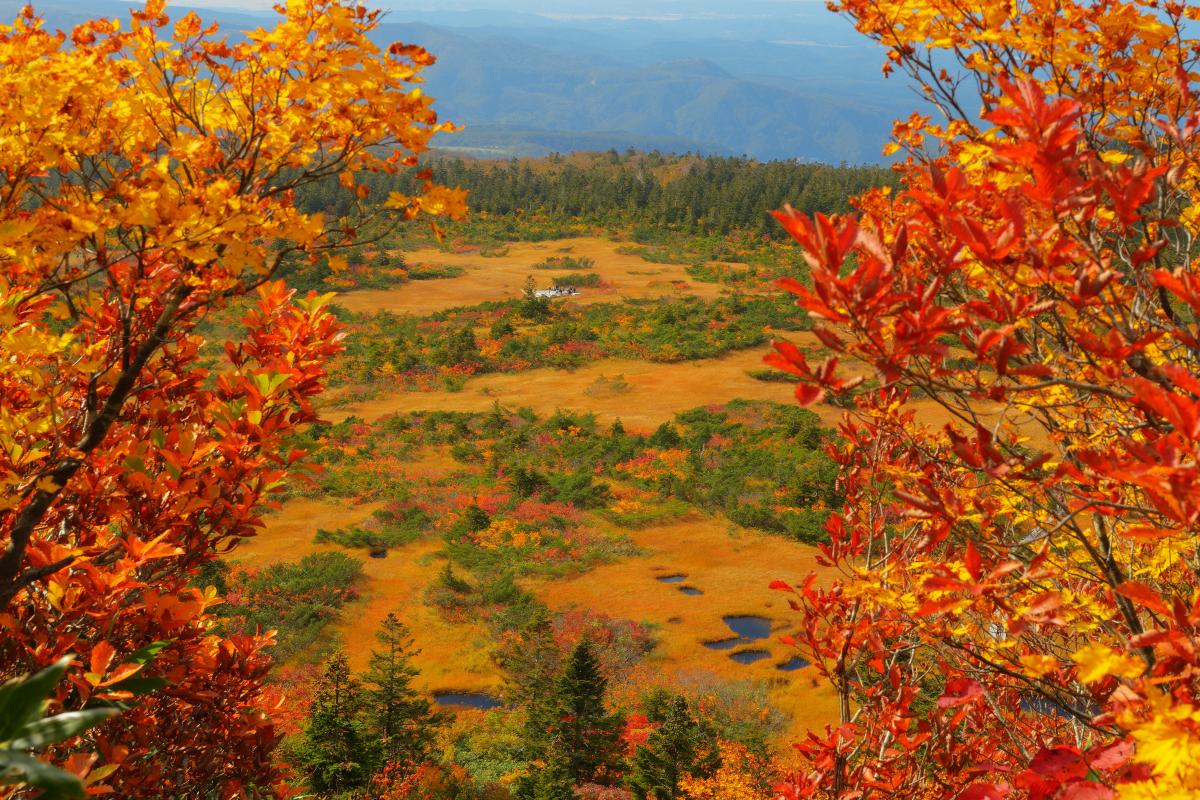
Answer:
(700, 195)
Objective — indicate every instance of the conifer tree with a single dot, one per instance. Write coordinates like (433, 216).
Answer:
(550, 782)
(336, 751)
(585, 735)
(680, 747)
(530, 660)
(403, 720)
(553, 782)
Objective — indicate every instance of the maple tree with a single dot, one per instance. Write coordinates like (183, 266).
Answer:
(1017, 613)
(149, 174)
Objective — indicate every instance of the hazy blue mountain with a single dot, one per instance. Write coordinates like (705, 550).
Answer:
(774, 80)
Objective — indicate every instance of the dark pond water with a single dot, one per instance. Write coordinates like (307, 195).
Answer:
(749, 656)
(793, 663)
(478, 700)
(690, 590)
(723, 644)
(671, 578)
(749, 627)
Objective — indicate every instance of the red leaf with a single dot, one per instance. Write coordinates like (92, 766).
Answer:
(1110, 757)
(937, 583)
(788, 358)
(807, 394)
(1143, 594)
(828, 338)
(985, 791)
(932, 608)
(971, 559)
(1086, 790)
(959, 692)
(1060, 762)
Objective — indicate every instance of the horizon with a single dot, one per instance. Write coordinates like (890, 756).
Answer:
(663, 10)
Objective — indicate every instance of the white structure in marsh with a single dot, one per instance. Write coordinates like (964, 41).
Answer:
(557, 291)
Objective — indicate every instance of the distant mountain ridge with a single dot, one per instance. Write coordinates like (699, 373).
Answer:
(501, 83)
(558, 87)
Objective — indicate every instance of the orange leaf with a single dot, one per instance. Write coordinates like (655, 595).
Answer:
(102, 656)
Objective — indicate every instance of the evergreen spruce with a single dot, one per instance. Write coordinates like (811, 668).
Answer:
(584, 736)
(680, 747)
(552, 782)
(336, 751)
(533, 307)
(530, 668)
(404, 721)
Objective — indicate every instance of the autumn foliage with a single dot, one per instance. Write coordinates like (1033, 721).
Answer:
(1018, 613)
(148, 174)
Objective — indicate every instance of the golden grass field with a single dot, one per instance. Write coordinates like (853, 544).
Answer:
(656, 393)
(731, 566)
(500, 277)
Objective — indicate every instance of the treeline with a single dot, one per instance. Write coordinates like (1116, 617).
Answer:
(703, 195)
(561, 737)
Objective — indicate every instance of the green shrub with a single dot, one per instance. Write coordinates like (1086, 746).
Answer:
(647, 515)
(429, 272)
(566, 262)
(772, 375)
(298, 600)
(590, 279)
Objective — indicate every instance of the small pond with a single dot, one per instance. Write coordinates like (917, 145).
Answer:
(690, 590)
(723, 644)
(479, 700)
(749, 627)
(679, 578)
(749, 656)
(792, 664)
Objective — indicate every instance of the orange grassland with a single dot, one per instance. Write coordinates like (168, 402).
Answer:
(498, 277)
(732, 566)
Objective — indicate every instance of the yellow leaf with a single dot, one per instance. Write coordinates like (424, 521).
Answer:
(1097, 662)
(1037, 666)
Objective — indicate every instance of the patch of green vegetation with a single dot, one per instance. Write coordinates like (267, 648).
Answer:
(297, 600)
(426, 352)
(394, 526)
(589, 279)
(566, 262)
(762, 465)
(365, 268)
(645, 515)
(658, 254)
(429, 272)
(772, 375)
(493, 250)
(604, 386)
(708, 272)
